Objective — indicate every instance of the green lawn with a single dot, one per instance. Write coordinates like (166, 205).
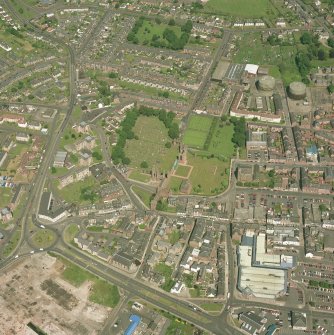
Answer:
(70, 232)
(150, 145)
(144, 195)
(150, 28)
(11, 244)
(182, 170)
(175, 184)
(136, 175)
(43, 238)
(197, 131)
(72, 192)
(195, 138)
(244, 8)
(5, 196)
(74, 274)
(212, 307)
(208, 175)
(221, 143)
(200, 122)
(104, 294)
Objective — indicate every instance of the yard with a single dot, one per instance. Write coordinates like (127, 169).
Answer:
(244, 8)
(150, 146)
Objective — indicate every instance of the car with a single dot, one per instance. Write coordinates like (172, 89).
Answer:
(16, 256)
(41, 249)
(32, 251)
(42, 226)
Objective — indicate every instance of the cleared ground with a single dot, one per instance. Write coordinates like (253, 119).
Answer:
(34, 292)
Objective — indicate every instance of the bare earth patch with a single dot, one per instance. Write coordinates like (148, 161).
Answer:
(34, 292)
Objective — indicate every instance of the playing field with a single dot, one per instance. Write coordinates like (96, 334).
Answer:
(245, 8)
(221, 143)
(197, 131)
(209, 176)
(150, 146)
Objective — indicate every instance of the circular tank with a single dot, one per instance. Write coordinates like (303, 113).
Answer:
(266, 83)
(297, 90)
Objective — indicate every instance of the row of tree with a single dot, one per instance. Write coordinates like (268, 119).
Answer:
(239, 136)
(125, 131)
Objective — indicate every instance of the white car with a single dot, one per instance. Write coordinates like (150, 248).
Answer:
(42, 226)
(41, 249)
(16, 256)
(32, 251)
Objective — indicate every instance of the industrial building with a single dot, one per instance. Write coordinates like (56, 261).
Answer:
(261, 274)
(297, 90)
(134, 323)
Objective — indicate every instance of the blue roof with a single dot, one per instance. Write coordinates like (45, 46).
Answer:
(134, 322)
(271, 329)
(312, 149)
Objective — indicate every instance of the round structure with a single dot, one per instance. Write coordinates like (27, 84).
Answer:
(266, 83)
(297, 90)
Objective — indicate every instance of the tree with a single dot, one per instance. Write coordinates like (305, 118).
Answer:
(331, 53)
(171, 22)
(174, 131)
(306, 38)
(144, 165)
(330, 89)
(330, 42)
(53, 170)
(97, 155)
(168, 145)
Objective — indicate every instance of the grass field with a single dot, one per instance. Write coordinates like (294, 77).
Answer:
(150, 146)
(144, 195)
(208, 175)
(136, 175)
(149, 28)
(70, 232)
(175, 184)
(221, 142)
(244, 8)
(5, 196)
(72, 192)
(11, 244)
(197, 131)
(212, 307)
(182, 170)
(43, 238)
(104, 294)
